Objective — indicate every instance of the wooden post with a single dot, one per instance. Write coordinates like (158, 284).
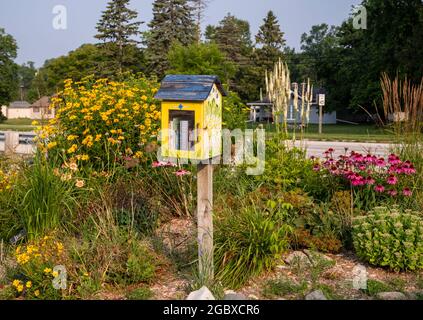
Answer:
(11, 142)
(205, 220)
(320, 119)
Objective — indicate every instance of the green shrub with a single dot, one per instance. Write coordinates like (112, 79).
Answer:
(324, 227)
(390, 238)
(140, 265)
(249, 240)
(286, 168)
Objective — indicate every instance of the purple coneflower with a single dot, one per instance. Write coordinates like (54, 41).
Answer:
(370, 181)
(379, 188)
(407, 192)
(380, 162)
(182, 172)
(316, 168)
(392, 180)
(393, 193)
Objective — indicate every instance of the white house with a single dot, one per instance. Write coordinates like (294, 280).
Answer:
(17, 109)
(22, 109)
(261, 111)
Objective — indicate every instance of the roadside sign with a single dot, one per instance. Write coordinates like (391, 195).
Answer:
(322, 100)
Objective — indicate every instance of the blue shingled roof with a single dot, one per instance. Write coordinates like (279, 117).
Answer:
(188, 87)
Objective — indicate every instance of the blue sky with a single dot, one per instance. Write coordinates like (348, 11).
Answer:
(30, 21)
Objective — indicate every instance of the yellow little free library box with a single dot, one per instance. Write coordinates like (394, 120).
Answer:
(191, 116)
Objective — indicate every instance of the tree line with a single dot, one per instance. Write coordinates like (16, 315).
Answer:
(345, 61)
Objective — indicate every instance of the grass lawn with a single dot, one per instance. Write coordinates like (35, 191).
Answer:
(340, 132)
(18, 124)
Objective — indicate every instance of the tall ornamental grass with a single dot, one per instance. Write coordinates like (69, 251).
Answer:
(42, 200)
(403, 106)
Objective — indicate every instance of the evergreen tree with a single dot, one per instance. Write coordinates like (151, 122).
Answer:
(271, 39)
(117, 30)
(172, 23)
(199, 7)
(233, 37)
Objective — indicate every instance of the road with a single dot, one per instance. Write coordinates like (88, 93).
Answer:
(317, 148)
(314, 148)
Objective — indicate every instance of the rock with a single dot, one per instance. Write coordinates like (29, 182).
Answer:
(298, 257)
(202, 294)
(252, 297)
(314, 257)
(391, 296)
(316, 295)
(232, 295)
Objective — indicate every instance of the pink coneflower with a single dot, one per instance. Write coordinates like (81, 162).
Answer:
(393, 193)
(158, 164)
(316, 168)
(392, 180)
(334, 170)
(368, 158)
(182, 172)
(407, 192)
(171, 164)
(350, 175)
(394, 159)
(370, 181)
(357, 157)
(362, 167)
(380, 162)
(358, 181)
(379, 188)
(408, 168)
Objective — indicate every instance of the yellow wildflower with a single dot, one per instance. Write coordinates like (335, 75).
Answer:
(37, 293)
(51, 145)
(29, 284)
(73, 148)
(47, 270)
(59, 246)
(72, 137)
(16, 283)
(20, 288)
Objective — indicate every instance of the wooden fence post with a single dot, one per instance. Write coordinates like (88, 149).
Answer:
(205, 221)
(11, 142)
